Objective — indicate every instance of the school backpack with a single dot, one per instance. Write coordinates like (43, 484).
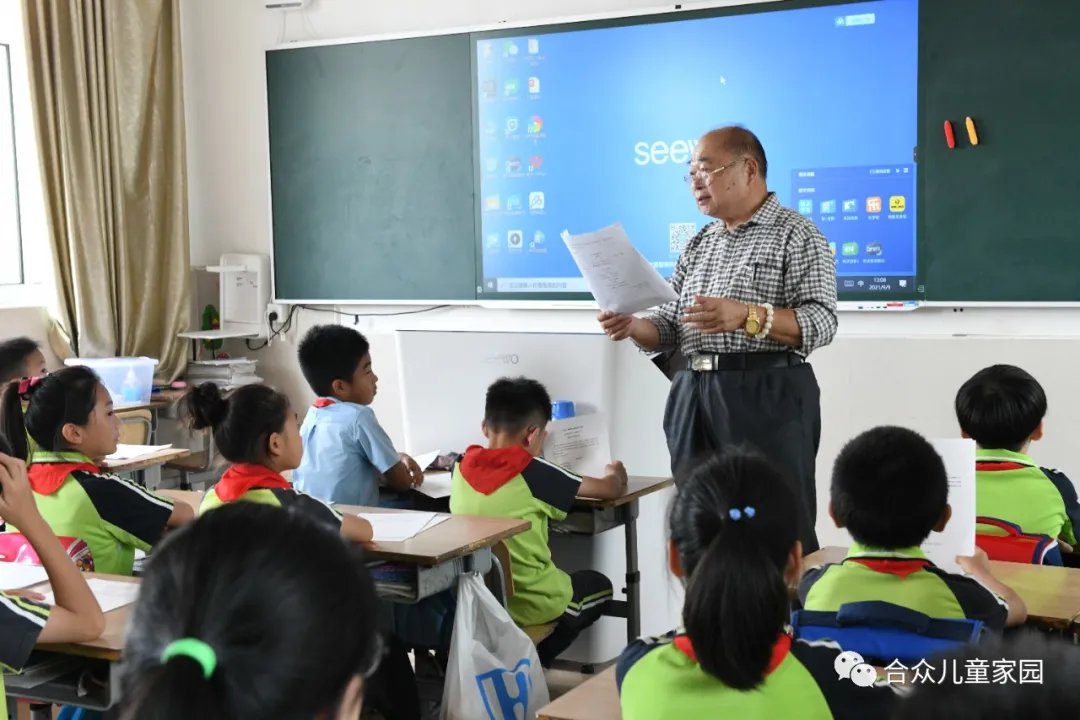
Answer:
(15, 548)
(1016, 545)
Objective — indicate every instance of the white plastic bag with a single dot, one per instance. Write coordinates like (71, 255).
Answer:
(494, 671)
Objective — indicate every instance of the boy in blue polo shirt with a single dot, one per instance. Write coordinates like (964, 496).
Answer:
(347, 454)
(890, 490)
(1002, 408)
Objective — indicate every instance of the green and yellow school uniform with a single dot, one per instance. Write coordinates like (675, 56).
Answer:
(511, 483)
(902, 577)
(259, 484)
(21, 621)
(111, 515)
(1012, 487)
(660, 679)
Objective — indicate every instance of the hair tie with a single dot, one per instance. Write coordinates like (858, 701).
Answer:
(27, 384)
(195, 649)
(736, 514)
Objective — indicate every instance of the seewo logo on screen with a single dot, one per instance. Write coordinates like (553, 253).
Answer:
(661, 153)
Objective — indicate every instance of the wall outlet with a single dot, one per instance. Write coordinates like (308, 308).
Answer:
(275, 315)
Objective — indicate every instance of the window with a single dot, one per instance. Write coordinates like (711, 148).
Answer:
(11, 265)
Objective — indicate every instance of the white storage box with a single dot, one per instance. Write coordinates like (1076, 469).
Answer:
(130, 380)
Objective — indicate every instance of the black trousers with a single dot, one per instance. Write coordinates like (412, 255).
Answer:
(776, 411)
(592, 594)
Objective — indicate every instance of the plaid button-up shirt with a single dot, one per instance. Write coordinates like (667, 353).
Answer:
(777, 257)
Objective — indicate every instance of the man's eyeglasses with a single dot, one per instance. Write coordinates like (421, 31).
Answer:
(706, 176)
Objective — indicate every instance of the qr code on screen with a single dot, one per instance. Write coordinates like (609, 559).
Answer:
(679, 234)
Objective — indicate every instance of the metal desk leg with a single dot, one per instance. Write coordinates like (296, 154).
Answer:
(633, 576)
(500, 573)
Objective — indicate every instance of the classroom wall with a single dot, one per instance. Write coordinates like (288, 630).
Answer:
(901, 368)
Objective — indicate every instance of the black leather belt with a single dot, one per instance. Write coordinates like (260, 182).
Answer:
(709, 362)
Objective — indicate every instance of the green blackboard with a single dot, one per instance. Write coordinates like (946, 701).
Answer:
(371, 170)
(997, 222)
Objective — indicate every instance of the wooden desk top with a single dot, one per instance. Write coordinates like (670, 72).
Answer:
(159, 400)
(1052, 594)
(636, 488)
(456, 537)
(111, 643)
(141, 463)
(595, 699)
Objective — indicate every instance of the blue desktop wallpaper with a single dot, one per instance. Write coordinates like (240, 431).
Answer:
(581, 129)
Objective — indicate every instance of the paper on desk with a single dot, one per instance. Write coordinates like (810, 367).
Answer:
(618, 276)
(424, 460)
(132, 452)
(15, 576)
(579, 444)
(110, 594)
(436, 484)
(398, 526)
(959, 536)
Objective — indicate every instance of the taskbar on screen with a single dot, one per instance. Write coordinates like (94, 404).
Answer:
(860, 287)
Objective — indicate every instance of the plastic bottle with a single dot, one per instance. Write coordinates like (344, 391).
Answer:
(131, 391)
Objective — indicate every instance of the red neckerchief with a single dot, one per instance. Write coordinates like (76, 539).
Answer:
(323, 402)
(901, 567)
(995, 465)
(242, 477)
(46, 478)
(488, 470)
(779, 651)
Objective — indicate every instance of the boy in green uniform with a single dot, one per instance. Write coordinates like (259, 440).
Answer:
(1002, 409)
(890, 490)
(508, 479)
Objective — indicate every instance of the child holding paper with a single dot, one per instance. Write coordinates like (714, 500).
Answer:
(507, 479)
(890, 490)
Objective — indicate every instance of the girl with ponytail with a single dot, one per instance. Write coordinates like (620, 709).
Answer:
(733, 543)
(255, 429)
(68, 418)
(251, 612)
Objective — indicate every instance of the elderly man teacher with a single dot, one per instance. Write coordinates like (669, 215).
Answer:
(757, 295)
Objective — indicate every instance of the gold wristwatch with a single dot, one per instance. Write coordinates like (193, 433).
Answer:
(752, 326)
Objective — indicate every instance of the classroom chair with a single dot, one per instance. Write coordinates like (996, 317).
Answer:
(501, 583)
(882, 632)
(136, 427)
(1016, 545)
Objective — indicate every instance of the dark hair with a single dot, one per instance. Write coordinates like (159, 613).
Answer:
(13, 354)
(65, 396)
(740, 142)
(328, 353)
(737, 600)
(5, 448)
(242, 420)
(513, 404)
(1056, 695)
(289, 633)
(889, 488)
(1000, 407)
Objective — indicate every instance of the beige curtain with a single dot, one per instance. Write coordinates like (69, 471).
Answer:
(108, 101)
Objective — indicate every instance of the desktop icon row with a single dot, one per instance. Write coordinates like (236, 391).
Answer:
(873, 205)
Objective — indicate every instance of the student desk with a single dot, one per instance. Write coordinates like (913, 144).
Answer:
(594, 699)
(459, 544)
(590, 516)
(1052, 594)
(146, 461)
(101, 654)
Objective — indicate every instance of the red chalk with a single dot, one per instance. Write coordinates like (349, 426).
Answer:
(950, 138)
